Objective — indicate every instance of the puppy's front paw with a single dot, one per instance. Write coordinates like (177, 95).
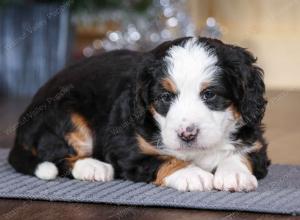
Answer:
(234, 181)
(92, 170)
(190, 179)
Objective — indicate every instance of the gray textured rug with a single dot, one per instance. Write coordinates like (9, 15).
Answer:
(278, 193)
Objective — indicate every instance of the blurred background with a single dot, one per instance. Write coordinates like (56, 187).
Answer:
(38, 38)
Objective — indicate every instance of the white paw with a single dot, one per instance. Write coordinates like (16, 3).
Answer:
(46, 171)
(190, 179)
(234, 181)
(92, 170)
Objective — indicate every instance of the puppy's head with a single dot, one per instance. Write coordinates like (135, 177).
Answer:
(200, 91)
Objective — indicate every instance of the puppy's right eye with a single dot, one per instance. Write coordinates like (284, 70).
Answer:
(167, 97)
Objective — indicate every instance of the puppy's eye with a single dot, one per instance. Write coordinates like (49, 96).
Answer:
(167, 97)
(208, 95)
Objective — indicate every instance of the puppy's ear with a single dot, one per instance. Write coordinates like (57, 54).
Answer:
(142, 90)
(252, 89)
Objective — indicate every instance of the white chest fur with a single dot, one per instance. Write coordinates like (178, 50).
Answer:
(206, 159)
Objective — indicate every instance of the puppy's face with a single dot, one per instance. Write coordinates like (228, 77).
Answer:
(201, 92)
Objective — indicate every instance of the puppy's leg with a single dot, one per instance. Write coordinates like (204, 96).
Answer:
(63, 146)
(145, 163)
(183, 176)
(81, 165)
(92, 170)
(235, 174)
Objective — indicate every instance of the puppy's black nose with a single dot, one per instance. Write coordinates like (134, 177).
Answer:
(189, 133)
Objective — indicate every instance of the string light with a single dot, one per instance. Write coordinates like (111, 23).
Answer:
(163, 20)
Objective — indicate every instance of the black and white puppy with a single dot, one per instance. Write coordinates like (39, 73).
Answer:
(185, 115)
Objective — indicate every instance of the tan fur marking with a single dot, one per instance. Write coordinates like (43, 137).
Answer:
(72, 159)
(167, 168)
(234, 111)
(204, 85)
(146, 147)
(81, 138)
(257, 146)
(152, 109)
(248, 163)
(169, 85)
(34, 151)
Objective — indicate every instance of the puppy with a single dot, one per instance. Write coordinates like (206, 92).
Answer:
(186, 115)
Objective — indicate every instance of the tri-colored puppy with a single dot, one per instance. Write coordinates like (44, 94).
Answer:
(185, 115)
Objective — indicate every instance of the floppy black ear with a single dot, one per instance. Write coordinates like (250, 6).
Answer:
(252, 102)
(142, 90)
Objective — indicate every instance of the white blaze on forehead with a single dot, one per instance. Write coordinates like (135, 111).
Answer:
(190, 65)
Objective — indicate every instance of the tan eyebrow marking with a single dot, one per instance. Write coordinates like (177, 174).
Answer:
(169, 85)
(204, 86)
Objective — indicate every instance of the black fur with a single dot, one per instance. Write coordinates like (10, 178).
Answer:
(113, 92)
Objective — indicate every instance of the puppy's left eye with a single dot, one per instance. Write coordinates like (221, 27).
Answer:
(208, 95)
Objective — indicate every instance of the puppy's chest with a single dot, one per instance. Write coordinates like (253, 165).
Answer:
(208, 159)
